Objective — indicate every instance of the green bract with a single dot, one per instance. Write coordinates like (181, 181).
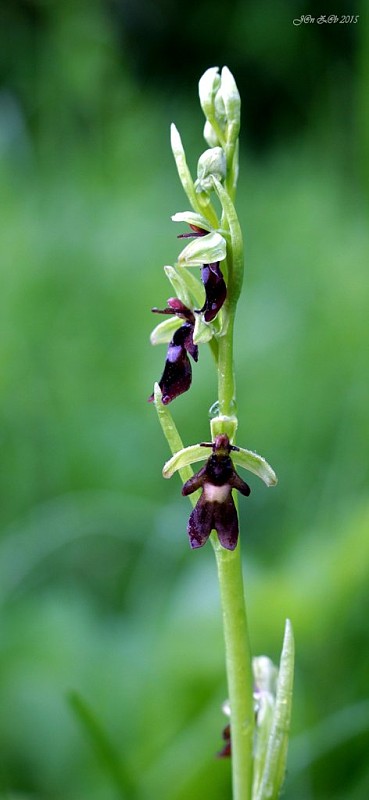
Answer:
(273, 720)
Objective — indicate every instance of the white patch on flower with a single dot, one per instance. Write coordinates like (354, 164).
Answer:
(217, 494)
(174, 352)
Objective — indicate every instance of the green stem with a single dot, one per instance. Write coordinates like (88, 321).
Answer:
(226, 380)
(239, 667)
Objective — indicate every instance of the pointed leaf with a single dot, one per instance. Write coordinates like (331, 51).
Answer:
(275, 760)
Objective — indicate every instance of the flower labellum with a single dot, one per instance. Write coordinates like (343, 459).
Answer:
(215, 509)
(215, 290)
(177, 375)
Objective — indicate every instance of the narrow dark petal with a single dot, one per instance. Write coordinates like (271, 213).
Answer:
(215, 290)
(195, 231)
(226, 523)
(195, 482)
(168, 311)
(200, 523)
(237, 483)
(175, 306)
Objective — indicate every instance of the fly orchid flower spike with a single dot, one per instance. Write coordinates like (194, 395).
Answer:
(177, 375)
(215, 508)
(212, 279)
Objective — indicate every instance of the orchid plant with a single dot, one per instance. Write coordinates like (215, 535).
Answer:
(203, 312)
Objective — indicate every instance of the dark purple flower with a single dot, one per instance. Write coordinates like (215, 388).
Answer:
(215, 290)
(177, 374)
(215, 509)
(213, 281)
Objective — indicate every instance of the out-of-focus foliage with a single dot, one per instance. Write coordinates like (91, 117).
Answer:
(99, 594)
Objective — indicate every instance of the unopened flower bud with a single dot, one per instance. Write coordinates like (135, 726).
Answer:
(210, 135)
(211, 163)
(232, 103)
(208, 86)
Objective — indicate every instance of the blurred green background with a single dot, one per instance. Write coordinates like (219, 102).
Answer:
(100, 594)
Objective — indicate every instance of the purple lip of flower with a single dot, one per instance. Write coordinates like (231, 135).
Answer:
(177, 375)
(215, 290)
(215, 509)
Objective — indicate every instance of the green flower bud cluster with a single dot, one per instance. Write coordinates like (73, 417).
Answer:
(221, 104)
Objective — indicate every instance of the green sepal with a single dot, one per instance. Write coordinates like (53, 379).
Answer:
(203, 331)
(188, 287)
(163, 333)
(276, 751)
(191, 218)
(256, 464)
(203, 250)
(185, 457)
